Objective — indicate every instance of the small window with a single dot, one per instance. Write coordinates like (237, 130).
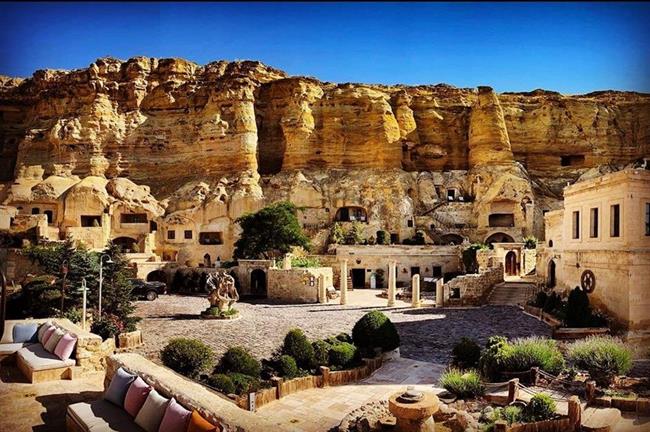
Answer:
(91, 221)
(647, 219)
(451, 194)
(409, 223)
(210, 238)
(36, 211)
(171, 235)
(593, 222)
(576, 224)
(501, 220)
(133, 218)
(615, 220)
(188, 234)
(550, 243)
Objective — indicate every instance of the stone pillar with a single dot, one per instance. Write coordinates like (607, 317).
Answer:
(286, 263)
(392, 283)
(440, 293)
(415, 291)
(513, 390)
(344, 281)
(325, 373)
(575, 413)
(322, 290)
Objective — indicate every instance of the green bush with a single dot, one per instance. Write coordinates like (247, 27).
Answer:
(553, 303)
(603, 357)
(375, 330)
(530, 242)
(493, 356)
(383, 238)
(321, 352)
(578, 309)
(511, 414)
(342, 355)
(305, 262)
(189, 357)
(106, 326)
(239, 360)
(534, 352)
(466, 353)
(297, 346)
(464, 384)
(244, 383)
(541, 407)
(221, 382)
(287, 367)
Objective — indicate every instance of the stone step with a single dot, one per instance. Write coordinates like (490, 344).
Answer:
(595, 419)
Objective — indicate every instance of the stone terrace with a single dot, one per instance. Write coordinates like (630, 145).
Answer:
(428, 334)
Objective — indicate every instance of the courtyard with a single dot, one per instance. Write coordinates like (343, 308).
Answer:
(427, 334)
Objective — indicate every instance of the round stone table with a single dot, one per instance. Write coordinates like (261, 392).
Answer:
(414, 416)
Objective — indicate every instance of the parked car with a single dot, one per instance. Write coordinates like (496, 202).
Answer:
(149, 290)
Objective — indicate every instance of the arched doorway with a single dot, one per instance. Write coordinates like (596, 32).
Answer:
(127, 244)
(258, 283)
(550, 275)
(511, 264)
(499, 237)
(157, 276)
(207, 261)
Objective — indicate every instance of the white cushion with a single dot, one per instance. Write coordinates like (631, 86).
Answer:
(37, 358)
(10, 348)
(102, 416)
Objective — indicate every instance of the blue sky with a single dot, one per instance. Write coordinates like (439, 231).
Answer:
(568, 47)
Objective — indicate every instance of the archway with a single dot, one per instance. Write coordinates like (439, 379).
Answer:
(127, 244)
(157, 276)
(207, 261)
(511, 263)
(351, 214)
(499, 237)
(451, 239)
(258, 283)
(550, 275)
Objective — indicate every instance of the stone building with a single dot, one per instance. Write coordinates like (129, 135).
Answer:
(601, 242)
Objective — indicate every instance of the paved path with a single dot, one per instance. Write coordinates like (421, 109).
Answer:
(321, 409)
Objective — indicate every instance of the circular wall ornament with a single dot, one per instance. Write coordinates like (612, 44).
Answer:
(588, 281)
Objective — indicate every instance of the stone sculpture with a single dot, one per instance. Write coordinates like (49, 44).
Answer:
(223, 293)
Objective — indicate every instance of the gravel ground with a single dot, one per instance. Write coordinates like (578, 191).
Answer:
(427, 334)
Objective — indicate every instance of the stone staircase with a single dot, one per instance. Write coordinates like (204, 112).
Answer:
(511, 293)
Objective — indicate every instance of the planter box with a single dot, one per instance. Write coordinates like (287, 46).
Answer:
(129, 340)
(557, 425)
(570, 333)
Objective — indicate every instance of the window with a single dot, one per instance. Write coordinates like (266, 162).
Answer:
(133, 218)
(451, 194)
(171, 234)
(210, 238)
(50, 216)
(91, 221)
(550, 243)
(593, 222)
(36, 211)
(188, 234)
(576, 224)
(409, 223)
(501, 220)
(615, 220)
(647, 219)
(394, 238)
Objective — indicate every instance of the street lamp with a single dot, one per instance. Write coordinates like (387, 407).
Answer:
(83, 314)
(101, 278)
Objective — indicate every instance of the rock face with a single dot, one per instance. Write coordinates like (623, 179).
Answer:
(211, 142)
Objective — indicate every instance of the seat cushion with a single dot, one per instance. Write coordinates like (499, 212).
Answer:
(175, 419)
(25, 332)
(120, 383)
(10, 348)
(102, 416)
(38, 359)
(199, 424)
(152, 412)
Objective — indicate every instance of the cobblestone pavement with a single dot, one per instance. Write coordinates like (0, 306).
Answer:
(427, 334)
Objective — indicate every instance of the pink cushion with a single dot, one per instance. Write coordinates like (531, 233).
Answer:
(175, 418)
(49, 332)
(135, 396)
(65, 346)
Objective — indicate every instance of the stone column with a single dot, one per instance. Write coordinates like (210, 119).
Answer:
(440, 293)
(322, 290)
(344, 281)
(392, 283)
(415, 291)
(286, 263)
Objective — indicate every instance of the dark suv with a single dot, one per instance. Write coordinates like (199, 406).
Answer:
(148, 290)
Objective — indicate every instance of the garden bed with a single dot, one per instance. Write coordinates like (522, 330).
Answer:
(564, 333)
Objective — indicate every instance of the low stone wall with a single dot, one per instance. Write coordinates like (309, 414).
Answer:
(474, 288)
(297, 285)
(212, 405)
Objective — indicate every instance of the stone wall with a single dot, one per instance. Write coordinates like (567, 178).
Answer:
(297, 285)
(473, 287)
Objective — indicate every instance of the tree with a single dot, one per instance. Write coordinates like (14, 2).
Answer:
(117, 299)
(270, 232)
(337, 235)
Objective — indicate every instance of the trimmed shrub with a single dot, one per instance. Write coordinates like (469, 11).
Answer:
(534, 352)
(578, 310)
(541, 407)
(287, 367)
(466, 353)
(375, 330)
(342, 355)
(464, 384)
(344, 337)
(511, 414)
(603, 357)
(221, 382)
(493, 356)
(297, 346)
(188, 357)
(244, 383)
(321, 352)
(239, 360)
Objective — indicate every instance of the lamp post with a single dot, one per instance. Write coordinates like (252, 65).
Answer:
(83, 313)
(101, 279)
